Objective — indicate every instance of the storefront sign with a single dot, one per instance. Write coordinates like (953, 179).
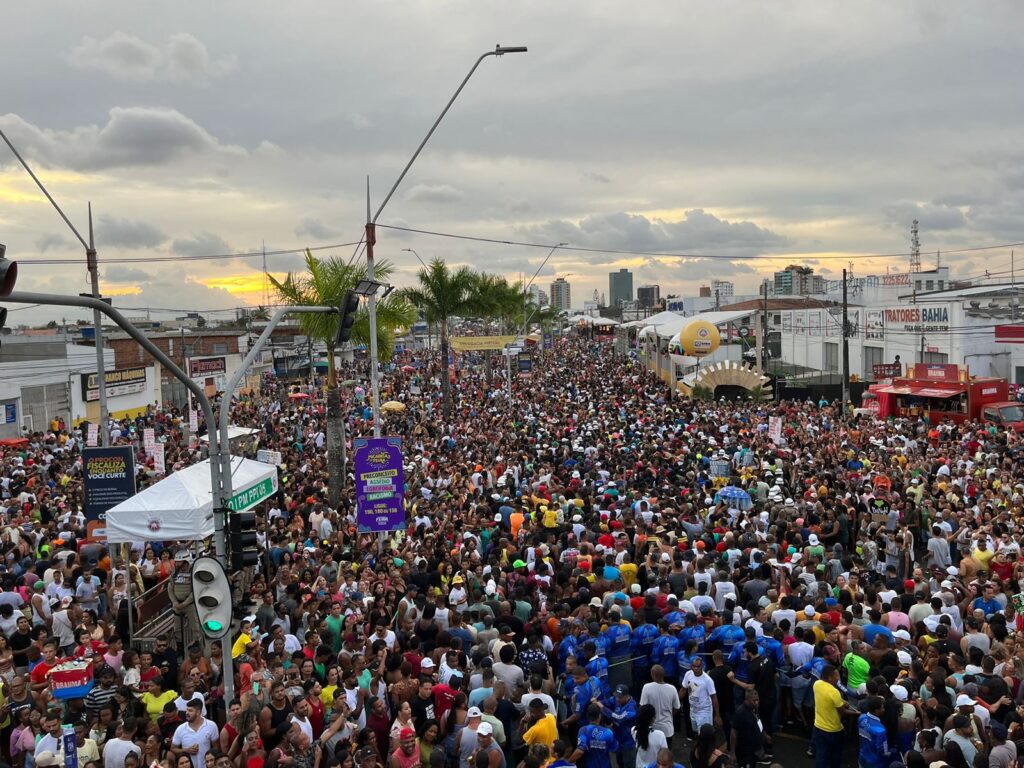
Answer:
(10, 413)
(918, 319)
(896, 279)
(886, 371)
(109, 475)
(380, 484)
(122, 382)
(201, 367)
(478, 343)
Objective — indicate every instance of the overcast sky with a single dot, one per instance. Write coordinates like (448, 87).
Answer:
(806, 131)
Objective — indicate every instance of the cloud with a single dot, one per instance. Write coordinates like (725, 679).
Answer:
(597, 178)
(204, 244)
(132, 136)
(697, 232)
(122, 274)
(930, 216)
(182, 58)
(46, 242)
(434, 193)
(316, 229)
(127, 233)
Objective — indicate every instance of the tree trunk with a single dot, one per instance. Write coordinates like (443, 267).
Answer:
(337, 457)
(446, 389)
(488, 366)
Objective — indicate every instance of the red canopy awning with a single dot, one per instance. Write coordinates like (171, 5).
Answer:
(891, 390)
(936, 392)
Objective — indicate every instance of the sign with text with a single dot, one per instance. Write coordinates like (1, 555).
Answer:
(92, 435)
(148, 440)
(918, 319)
(159, 466)
(477, 343)
(109, 475)
(269, 457)
(253, 495)
(380, 484)
(775, 429)
(122, 382)
(10, 413)
(202, 367)
(549, 340)
(886, 370)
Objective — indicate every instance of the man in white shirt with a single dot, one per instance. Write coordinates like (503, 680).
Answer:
(665, 700)
(117, 749)
(700, 690)
(196, 736)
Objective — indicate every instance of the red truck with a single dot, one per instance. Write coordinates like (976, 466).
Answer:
(941, 392)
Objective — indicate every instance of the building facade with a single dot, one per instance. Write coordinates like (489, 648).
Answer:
(620, 287)
(723, 290)
(561, 294)
(648, 296)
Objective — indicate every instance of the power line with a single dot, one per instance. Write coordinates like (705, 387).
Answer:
(721, 257)
(210, 257)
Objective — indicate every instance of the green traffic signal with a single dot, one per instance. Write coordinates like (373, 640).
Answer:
(213, 626)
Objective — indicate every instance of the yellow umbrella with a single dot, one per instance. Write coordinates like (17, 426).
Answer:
(393, 405)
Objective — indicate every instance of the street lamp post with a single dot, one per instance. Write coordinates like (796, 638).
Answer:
(371, 221)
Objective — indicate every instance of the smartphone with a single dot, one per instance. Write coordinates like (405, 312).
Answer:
(256, 687)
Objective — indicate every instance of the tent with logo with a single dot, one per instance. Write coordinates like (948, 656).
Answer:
(180, 507)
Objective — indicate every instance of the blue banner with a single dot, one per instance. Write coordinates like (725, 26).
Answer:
(10, 413)
(380, 484)
(109, 475)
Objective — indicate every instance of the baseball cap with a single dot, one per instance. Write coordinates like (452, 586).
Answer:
(484, 729)
(621, 690)
(904, 658)
(963, 700)
(474, 712)
(899, 692)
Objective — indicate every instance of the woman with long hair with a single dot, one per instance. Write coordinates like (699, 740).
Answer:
(649, 740)
(706, 752)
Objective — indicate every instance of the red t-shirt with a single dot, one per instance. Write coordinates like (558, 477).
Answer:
(42, 670)
(443, 699)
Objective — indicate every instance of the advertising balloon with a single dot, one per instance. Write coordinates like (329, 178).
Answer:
(698, 339)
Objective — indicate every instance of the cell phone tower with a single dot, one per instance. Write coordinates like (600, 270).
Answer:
(915, 248)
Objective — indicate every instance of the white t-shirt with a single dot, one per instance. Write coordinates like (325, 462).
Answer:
(700, 689)
(205, 736)
(656, 742)
(665, 699)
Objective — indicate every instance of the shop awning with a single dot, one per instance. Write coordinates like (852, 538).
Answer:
(934, 392)
(891, 390)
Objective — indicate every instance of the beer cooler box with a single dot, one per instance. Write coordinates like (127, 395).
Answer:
(72, 680)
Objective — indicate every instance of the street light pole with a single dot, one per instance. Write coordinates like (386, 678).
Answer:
(371, 221)
(93, 267)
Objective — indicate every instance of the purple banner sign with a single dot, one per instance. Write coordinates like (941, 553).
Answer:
(380, 484)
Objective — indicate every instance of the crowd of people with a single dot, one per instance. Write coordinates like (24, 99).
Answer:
(592, 572)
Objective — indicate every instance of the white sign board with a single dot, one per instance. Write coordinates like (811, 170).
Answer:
(775, 429)
(158, 459)
(92, 435)
(269, 457)
(149, 440)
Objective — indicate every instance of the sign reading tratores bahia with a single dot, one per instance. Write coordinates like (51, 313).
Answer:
(380, 484)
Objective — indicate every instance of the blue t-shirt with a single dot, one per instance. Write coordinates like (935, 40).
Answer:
(597, 744)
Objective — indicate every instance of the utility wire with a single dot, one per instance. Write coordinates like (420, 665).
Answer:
(755, 257)
(210, 257)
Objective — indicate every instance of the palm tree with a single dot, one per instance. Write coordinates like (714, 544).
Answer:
(325, 283)
(442, 294)
(497, 301)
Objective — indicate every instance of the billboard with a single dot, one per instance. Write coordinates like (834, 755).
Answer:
(875, 328)
(109, 475)
(123, 382)
(380, 484)
(201, 367)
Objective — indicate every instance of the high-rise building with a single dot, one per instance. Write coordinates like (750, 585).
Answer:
(538, 295)
(561, 298)
(723, 290)
(796, 280)
(648, 296)
(620, 287)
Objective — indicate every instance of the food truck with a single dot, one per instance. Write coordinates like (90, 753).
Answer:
(942, 392)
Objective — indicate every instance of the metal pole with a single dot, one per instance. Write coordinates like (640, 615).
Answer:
(97, 322)
(371, 303)
(846, 350)
(90, 302)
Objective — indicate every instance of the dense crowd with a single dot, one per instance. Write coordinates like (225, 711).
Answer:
(592, 572)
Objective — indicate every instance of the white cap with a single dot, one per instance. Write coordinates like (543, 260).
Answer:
(963, 700)
(474, 712)
(904, 658)
(790, 503)
(809, 611)
(813, 539)
(427, 664)
(898, 692)
(952, 570)
(484, 729)
(901, 634)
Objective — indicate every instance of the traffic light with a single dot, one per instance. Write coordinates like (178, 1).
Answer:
(8, 272)
(242, 540)
(347, 311)
(211, 593)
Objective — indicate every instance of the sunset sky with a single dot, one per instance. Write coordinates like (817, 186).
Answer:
(756, 133)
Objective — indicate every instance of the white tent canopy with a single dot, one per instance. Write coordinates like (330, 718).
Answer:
(180, 507)
(233, 433)
(668, 324)
(589, 320)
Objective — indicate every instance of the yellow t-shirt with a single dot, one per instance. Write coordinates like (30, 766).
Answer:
(828, 701)
(240, 644)
(544, 731)
(983, 557)
(155, 704)
(628, 573)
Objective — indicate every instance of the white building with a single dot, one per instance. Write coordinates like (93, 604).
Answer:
(723, 290)
(908, 319)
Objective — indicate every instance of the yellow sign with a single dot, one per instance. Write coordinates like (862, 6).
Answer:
(477, 343)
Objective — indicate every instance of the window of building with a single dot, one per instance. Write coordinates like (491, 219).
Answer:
(917, 285)
(929, 285)
(872, 356)
(831, 362)
(776, 319)
(142, 354)
(935, 357)
(1019, 374)
(942, 284)
(170, 347)
(220, 348)
(190, 350)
